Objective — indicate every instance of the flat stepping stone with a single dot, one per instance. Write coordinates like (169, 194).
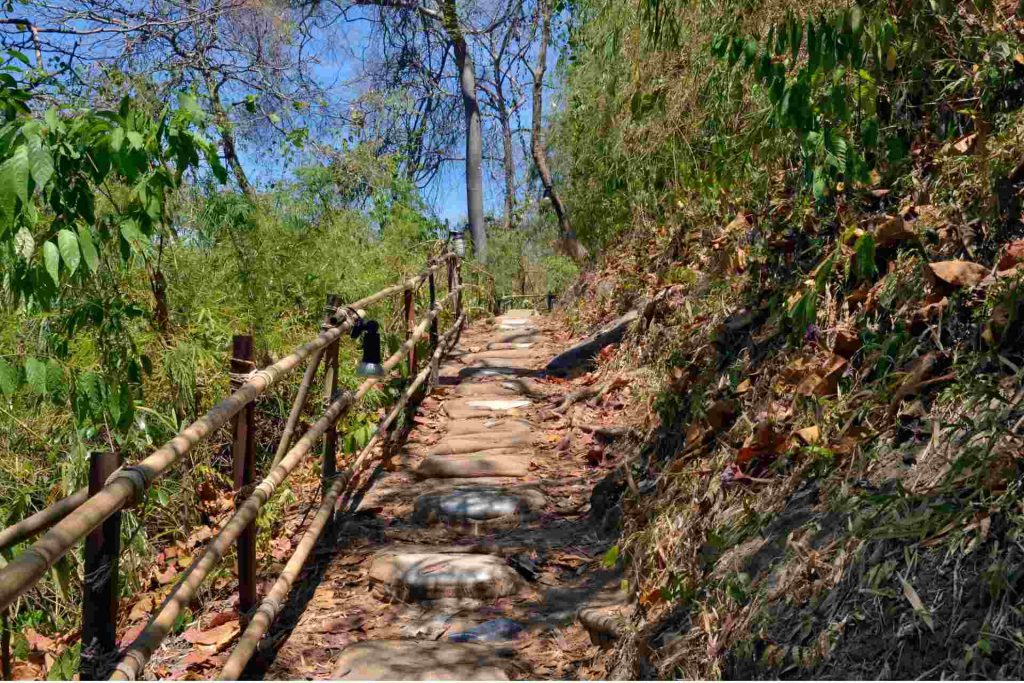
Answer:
(420, 660)
(510, 387)
(509, 346)
(492, 425)
(510, 372)
(497, 463)
(480, 442)
(497, 404)
(518, 313)
(483, 408)
(427, 576)
(467, 505)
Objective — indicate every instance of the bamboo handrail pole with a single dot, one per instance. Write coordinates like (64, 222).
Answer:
(297, 406)
(44, 519)
(267, 612)
(131, 482)
(141, 649)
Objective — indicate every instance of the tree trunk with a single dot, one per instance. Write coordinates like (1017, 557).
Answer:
(568, 242)
(474, 132)
(508, 161)
(227, 137)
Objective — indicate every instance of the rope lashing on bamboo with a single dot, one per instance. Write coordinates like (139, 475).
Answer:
(142, 648)
(265, 615)
(129, 486)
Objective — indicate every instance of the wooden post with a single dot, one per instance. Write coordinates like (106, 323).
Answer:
(433, 303)
(410, 323)
(99, 590)
(243, 459)
(329, 464)
(5, 646)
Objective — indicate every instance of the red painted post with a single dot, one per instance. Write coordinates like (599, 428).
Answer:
(99, 590)
(410, 322)
(243, 459)
(329, 464)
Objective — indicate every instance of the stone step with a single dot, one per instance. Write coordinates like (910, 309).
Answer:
(497, 389)
(421, 660)
(471, 504)
(518, 313)
(486, 407)
(427, 576)
(500, 462)
(509, 346)
(480, 442)
(492, 425)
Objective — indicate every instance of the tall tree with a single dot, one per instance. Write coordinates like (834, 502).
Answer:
(568, 241)
(505, 48)
(444, 16)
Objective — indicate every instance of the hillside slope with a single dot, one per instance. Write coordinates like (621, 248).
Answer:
(817, 210)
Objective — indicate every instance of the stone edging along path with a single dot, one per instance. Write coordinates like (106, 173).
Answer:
(473, 559)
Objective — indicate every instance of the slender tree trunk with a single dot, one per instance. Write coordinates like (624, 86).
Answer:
(227, 137)
(568, 242)
(508, 161)
(474, 132)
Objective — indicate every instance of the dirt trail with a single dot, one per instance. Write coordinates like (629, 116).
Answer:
(480, 527)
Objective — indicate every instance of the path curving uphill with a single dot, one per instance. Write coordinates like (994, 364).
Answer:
(471, 556)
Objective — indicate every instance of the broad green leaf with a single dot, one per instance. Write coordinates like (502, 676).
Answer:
(24, 244)
(136, 140)
(14, 180)
(51, 259)
(54, 376)
(35, 375)
(117, 139)
(92, 259)
(8, 378)
(68, 243)
(865, 257)
(40, 165)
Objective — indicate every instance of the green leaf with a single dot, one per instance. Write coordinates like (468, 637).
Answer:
(8, 378)
(117, 139)
(136, 140)
(14, 180)
(35, 375)
(51, 259)
(54, 376)
(865, 257)
(24, 244)
(40, 165)
(68, 243)
(92, 259)
(856, 20)
(610, 557)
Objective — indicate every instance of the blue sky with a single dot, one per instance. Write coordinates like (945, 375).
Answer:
(350, 42)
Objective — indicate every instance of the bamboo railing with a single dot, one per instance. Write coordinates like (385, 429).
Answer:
(74, 518)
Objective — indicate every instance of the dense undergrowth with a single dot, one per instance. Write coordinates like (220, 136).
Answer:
(817, 206)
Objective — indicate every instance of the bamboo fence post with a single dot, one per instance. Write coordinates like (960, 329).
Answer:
(432, 288)
(410, 322)
(243, 460)
(99, 589)
(329, 466)
(5, 645)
